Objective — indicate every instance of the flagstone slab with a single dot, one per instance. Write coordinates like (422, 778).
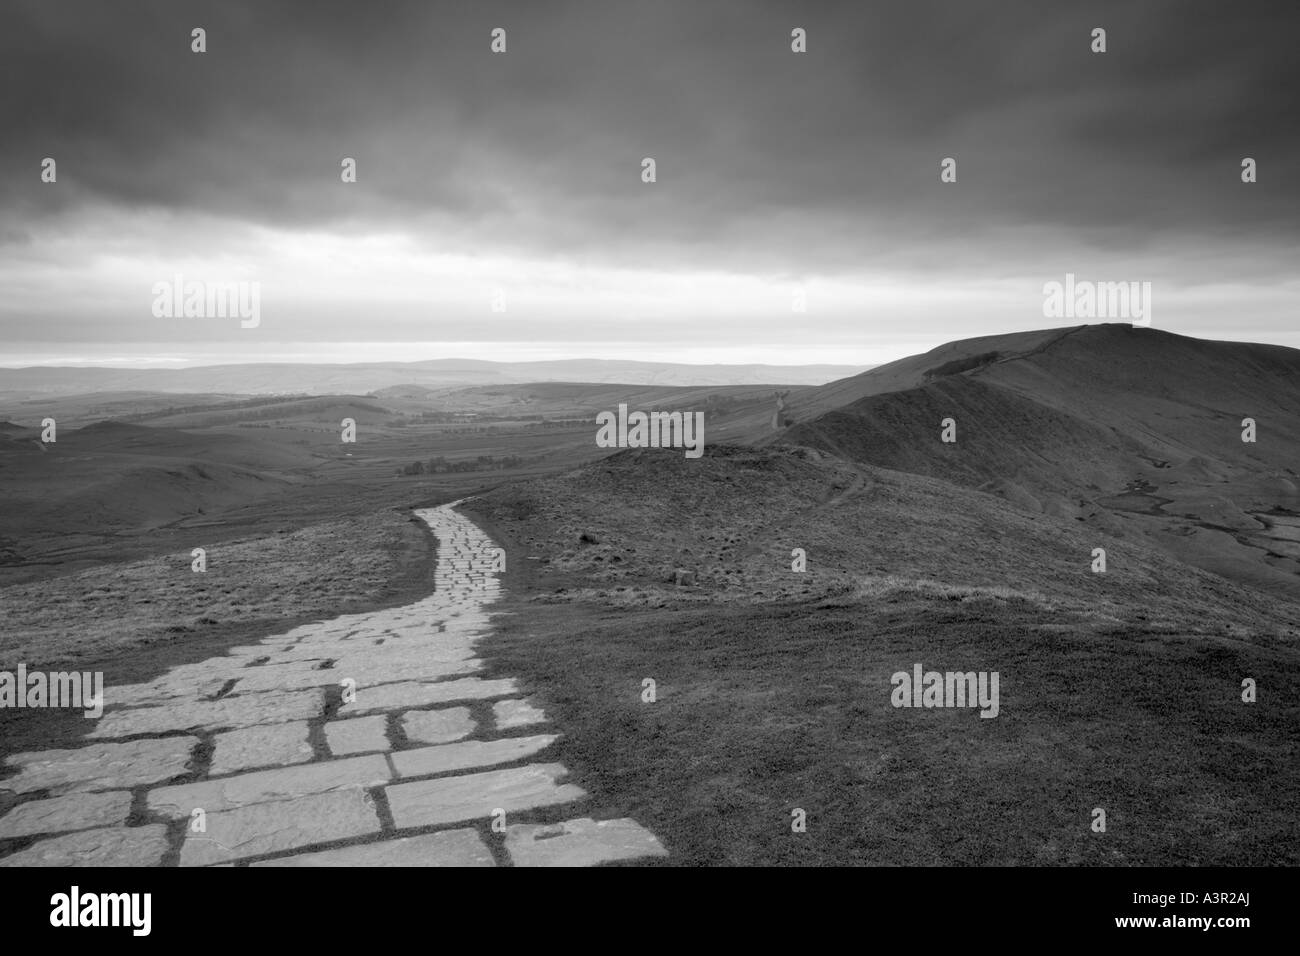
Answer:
(264, 745)
(477, 795)
(442, 726)
(326, 637)
(111, 846)
(372, 673)
(284, 668)
(190, 679)
(103, 766)
(280, 825)
(444, 848)
(263, 786)
(583, 842)
(297, 808)
(357, 736)
(132, 695)
(273, 677)
(467, 755)
(414, 694)
(311, 653)
(241, 710)
(440, 657)
(427, 650)
(510, 714)
(208, 669)
(78, 811)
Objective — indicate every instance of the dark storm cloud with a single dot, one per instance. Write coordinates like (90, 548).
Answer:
(765, 158)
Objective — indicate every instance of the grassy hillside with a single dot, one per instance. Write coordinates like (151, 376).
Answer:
(617, 530)
(251, 582)
(773, 687)
(914, 370)
(1005, 442)
(1125, 430)
(110, 491)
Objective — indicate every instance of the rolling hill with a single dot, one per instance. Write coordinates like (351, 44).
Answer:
(78, 500)
(1129, 431)
(360, 378)
(1123, 689)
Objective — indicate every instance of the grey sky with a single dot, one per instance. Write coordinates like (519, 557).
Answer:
(521, 172)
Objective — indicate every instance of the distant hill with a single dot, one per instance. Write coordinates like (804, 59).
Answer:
(1131, 431)
(909, 372)
(83, 496)
(282, 378)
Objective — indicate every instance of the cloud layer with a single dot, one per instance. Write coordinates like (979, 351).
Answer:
(521, 171)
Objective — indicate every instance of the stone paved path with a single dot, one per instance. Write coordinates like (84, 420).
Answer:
(366, 740)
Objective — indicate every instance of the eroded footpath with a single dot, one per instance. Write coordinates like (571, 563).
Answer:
(365, 740)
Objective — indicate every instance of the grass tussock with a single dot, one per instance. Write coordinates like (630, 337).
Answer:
(891, 587)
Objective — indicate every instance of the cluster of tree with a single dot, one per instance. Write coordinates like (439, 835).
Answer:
(441, 466)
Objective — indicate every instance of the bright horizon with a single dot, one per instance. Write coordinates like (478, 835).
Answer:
(367, 353)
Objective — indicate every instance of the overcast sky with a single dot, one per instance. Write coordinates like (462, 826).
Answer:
(521, 172)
